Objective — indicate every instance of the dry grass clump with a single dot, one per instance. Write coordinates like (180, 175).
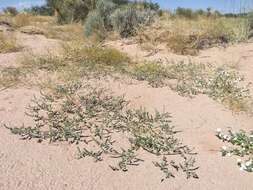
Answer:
(188, 36)
(68, 32)
(107, 56)
(95, 56)
(10, 76)
(93, 119)
(8, 43)
(26, 19)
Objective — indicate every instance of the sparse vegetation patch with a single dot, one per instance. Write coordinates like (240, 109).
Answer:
(241, 146)
(221, 84)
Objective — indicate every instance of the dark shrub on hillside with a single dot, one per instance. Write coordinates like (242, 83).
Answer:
(41, 10)
(11, 11)
(185, 12)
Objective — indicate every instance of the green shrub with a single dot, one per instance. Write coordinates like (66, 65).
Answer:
(126, 20)
(69, 11)
(94, 25)
(105, 8)
(98, 21)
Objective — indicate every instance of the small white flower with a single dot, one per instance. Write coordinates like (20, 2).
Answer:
(228, 138)
(225, 137)
(229, 154)
(239, 160)
(248, 163)
(224, 148)
(218, 130)
(243, 167)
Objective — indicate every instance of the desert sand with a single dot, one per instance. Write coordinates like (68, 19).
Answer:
(28, 165)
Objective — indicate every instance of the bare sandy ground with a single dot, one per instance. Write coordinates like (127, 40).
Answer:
(29, 165)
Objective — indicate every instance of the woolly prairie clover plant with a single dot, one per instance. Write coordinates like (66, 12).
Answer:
(242, 146)
(92, 119)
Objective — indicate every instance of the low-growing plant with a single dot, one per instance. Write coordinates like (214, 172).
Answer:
(221, 84)
(106, 56)
(88, 116)
(226, 87)
(241, 145)
(154, 73)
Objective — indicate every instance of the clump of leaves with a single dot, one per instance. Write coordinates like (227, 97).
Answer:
(93, 118)
(242, 145)
(128, 158)
(164, 167)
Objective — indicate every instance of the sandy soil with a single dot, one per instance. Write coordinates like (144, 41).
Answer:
(29, 165)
